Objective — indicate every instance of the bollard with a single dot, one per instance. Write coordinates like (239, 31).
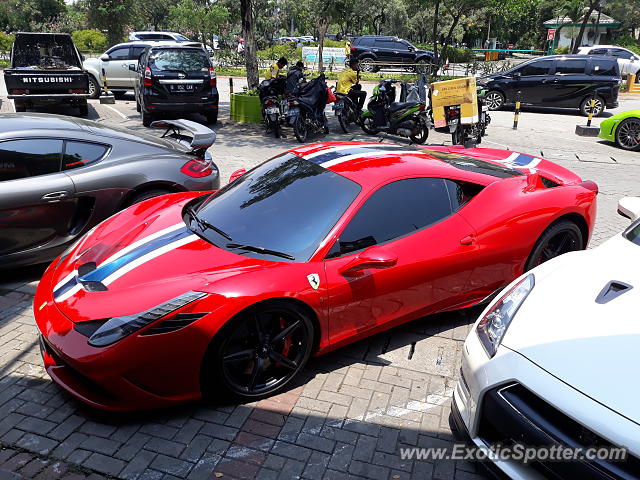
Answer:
(106, 96)
(590, 116)
(230, 85)
(517, 111)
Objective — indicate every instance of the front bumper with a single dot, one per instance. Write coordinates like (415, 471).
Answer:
(137, 373)
(474, 401)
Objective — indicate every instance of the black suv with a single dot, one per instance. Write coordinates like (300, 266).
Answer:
(175, 79)
(375, 52)
(567, 81)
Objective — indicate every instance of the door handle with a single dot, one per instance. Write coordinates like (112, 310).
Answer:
(468, 240)
(55, 196)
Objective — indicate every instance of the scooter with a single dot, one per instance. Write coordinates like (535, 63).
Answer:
(270, 93)
(462, 134)
(346, 110)
(405, 119)
(306, 108)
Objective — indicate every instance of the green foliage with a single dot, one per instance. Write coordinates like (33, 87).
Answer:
(561, 50)
(271, 54)
(627, 41)
(111, 15)
(455, 55)
(191, 17)
(5, 42)
(91, 40)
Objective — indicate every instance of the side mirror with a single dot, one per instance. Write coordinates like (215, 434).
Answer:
(237, 174)
(629, 207)
(105, 57)
(411, 49)
(371, 258)
(132, 67)
(517, 75)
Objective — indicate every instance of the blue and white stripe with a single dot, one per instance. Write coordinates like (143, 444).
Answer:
(127, 259)
(520, 160)
(336, 155)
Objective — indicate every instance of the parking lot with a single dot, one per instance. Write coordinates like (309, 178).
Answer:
(354, 408)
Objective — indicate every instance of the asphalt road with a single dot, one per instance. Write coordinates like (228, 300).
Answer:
(353, 408)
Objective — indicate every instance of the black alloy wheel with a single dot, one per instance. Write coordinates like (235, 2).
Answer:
(262, 350)
(561, 237)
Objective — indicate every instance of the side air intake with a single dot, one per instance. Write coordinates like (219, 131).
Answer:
(612, 290)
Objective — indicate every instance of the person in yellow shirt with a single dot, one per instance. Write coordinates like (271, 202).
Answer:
(349, 83)
(347, 49)
(274, 70)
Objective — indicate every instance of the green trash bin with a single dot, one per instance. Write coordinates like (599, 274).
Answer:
(245, 108)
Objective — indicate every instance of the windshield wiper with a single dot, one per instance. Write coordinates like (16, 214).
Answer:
(204, 225)
(256, 249)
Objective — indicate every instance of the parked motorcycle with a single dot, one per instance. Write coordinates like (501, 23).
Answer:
(384, 114)
(306, 108)
(347, 110)
(270, 93)
(463, 133)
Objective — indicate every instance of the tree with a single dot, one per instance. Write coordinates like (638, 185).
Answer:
(591, 6)
(203, 20)
(152, 13)
(112, 16)
(91, 40)
(250, 50)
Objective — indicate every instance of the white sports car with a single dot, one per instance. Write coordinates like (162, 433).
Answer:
(554, 361)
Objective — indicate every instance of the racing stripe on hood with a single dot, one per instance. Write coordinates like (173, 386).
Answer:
(334, 154)
(126, 260)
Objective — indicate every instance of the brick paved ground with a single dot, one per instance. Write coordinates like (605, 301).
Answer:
(346, 418)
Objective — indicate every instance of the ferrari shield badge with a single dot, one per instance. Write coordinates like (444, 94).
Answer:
(314, 280)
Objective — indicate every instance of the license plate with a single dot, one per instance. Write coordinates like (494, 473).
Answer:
(272, 110)
(179, 87)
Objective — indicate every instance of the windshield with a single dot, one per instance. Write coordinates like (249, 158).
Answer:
(633, 233)
(179, 59)
(286, 205)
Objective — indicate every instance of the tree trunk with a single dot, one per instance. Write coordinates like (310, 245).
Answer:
(445, 44)
(323, 25)
(585, 20)
(435, 32)
(250, 48)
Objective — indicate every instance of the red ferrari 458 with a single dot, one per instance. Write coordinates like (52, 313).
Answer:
(231, 291)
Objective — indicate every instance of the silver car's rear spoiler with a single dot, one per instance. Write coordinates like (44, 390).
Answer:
(200, 137)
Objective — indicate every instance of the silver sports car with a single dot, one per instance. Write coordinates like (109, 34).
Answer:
(60, 176)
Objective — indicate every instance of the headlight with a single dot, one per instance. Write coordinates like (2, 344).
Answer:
(117, 328)
(495, 322)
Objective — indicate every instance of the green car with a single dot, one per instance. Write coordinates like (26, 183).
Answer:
(623, 129)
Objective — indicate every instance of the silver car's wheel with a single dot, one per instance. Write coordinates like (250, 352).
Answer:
(94, 87)
(628, 134)
(494, 100)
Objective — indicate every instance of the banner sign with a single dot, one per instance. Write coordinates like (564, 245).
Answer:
(310, 54)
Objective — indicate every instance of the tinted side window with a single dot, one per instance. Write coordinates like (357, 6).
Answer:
(396, 209)
(365, 42)
(79, 154)
(390, 44)
(571, 66)
(29, 158)
(536, 68)
(135, 53)
(618, 53)
(598, 51)
(119, 53)
(461, 192)
(603, 67)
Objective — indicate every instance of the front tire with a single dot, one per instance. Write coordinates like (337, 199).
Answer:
(83, 109)
(561, 237)
(367, 65)
(212, 118)
(258, 352)
(494, 100)
(422, 135)
(368, 126)
(628, 134)
(598, 108)
(94, 87)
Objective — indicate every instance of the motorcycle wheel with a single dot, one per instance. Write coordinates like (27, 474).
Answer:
(300, 129)
(422, 135)
(457, 137)
(275, 126)
(344, 119)
(368, 127)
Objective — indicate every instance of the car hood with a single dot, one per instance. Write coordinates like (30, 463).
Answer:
(139, 258)
(587, 338)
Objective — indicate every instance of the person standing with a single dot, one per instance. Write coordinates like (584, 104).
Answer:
(274, 69)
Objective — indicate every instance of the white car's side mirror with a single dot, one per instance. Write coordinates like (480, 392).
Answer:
(629, 207)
